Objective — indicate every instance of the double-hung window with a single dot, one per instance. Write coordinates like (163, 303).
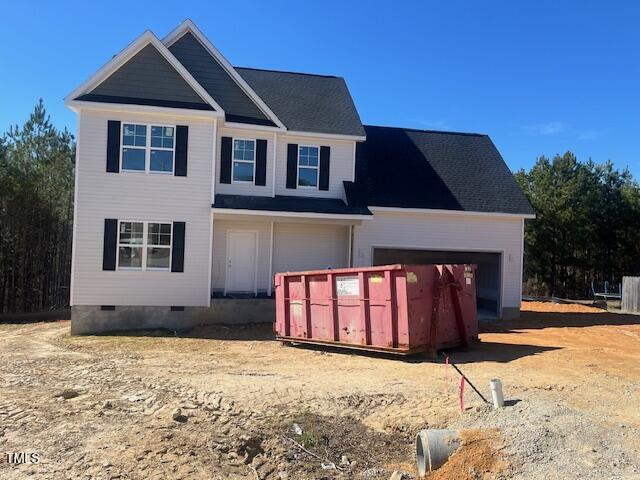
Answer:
(144, 245)
(148, 148)
(308, 170)
(130, 245)
(244, 160)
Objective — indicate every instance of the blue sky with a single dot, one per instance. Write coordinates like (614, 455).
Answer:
(539, 77)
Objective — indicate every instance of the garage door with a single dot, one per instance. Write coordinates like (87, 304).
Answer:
(488, 282)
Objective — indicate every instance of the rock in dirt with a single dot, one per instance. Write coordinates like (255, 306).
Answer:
(67, 394)
(397, 476)
(177, 416)
(373, 472)
(344, 460)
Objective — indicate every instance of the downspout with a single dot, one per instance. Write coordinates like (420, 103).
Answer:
(213, 197)
(270, 261)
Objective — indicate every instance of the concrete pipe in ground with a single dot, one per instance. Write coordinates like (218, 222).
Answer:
(434, 447)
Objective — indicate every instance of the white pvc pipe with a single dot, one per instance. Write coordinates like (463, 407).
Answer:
(496, 393)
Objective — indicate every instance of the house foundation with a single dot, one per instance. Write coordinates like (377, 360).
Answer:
(97, 319)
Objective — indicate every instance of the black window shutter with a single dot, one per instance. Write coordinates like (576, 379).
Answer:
(182, 144)
(261, 162)
(177, 250)
(325, 154)
(113, 146)
(110, 241)
(225, 160)
(292, 165)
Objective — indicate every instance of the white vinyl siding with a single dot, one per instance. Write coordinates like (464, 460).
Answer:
(447, 232)
(245, 188)
(141, 198)
(296, 246)
(340, 166)
(308, 246)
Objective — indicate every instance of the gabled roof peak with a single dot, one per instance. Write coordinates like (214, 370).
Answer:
(188, 26)
(117, 61)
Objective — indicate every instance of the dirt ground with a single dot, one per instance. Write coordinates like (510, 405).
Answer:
(232, 403)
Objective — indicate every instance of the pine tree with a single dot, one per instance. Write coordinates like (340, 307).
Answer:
(36, 213)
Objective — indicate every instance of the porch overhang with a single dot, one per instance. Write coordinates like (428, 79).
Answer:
(289, 207)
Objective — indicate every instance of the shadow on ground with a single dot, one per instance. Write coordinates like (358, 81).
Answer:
(495, 352)
(538, 320)
(36, 317)
(477, 351)
(246, 332)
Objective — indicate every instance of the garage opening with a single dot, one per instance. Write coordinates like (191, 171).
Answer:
(488, 281)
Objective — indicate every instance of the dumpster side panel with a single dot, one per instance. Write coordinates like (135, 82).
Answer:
(282, 317)
(420, 289)
(297, 321)
(380, 311)
(448, 333)
(466, 276)
(404, 335)
(348, 295)
(320, 307)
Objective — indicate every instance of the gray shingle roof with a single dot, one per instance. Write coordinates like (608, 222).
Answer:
(306, 102)
(399, 167)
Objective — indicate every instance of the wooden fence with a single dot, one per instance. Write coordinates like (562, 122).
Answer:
(631, 294)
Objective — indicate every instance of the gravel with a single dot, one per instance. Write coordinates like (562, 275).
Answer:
(546, 439)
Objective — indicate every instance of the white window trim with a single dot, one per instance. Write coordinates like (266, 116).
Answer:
(308, 187)
(144, 245)
(233, 160)
(147, 148)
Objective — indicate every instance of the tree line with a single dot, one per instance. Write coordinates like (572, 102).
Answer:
(587, 226)
(37, 164)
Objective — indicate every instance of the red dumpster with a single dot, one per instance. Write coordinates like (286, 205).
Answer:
(393, 308)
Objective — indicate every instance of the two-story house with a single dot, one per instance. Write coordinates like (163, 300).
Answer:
(197, 181)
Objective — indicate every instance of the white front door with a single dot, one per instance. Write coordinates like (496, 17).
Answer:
(241, 261)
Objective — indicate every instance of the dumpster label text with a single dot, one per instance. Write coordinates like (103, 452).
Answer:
(347, 285)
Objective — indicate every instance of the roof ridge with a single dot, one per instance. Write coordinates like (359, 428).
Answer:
(444, 132)
(287, 71)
